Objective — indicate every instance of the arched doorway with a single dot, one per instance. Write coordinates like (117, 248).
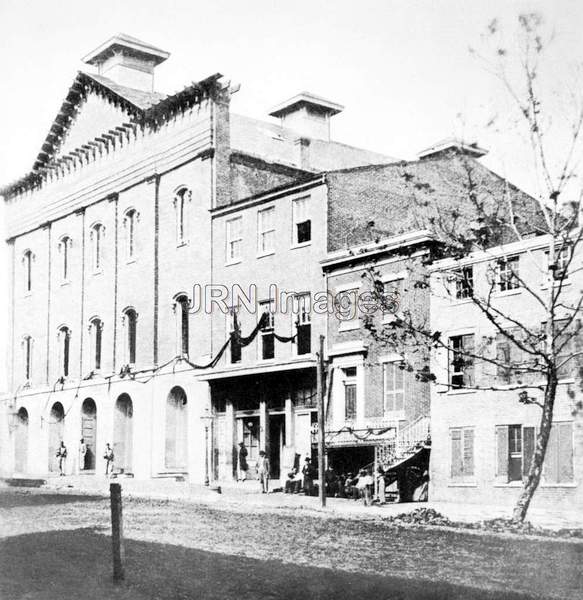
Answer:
(123, 434)
(176, 457)
(89, 433)
(21, 441)
(56, 428)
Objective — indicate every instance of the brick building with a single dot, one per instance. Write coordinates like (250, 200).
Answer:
(107, 237)
(483, 439)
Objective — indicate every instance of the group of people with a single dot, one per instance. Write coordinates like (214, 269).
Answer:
(344, 485)
(83, 455)
(302, 480)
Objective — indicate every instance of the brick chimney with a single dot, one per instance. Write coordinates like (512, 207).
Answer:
(127, 61)
(308, 115)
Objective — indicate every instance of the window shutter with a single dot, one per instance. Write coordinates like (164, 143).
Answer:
(469, 367)
(551, 464)
(565, 455)
(528, 441)
(456, 454)
(468, 462)
(502, 452)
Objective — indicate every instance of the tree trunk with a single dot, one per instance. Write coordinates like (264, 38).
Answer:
(538, 458)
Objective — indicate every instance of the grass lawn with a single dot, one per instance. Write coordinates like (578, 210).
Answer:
(56, 546)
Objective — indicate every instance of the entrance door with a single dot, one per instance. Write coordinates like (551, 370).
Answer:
(56, 428)
(21, 442)
(248, 433)
(176, 430)
(123, 434)
(89, 433)
(276, 443)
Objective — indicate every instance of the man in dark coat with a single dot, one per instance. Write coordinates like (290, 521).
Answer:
(243, 466)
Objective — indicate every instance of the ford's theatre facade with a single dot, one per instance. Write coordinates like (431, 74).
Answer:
(134, 198)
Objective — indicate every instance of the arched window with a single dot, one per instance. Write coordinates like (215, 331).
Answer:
(181, 307)
(27, 262)
(27, 350)
(130, 321)
(130, 221)
(64, 338)
(65, 249)
(182, 200)
(96, 333)
(96, 237)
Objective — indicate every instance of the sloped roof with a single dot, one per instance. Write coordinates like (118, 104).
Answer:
(144, 109)
(140, 98)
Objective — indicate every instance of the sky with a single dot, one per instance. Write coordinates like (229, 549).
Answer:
(402, 68)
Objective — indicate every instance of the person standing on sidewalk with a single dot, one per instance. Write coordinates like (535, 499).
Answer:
(108, 456)
(243, 466)
(82, 454)
(382, 486)
(263, 472)
(62, 456)
(308, 474)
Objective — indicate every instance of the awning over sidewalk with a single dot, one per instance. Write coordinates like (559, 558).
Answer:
(347, 436)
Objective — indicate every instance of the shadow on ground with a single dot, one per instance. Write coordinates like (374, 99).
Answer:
(76, 564)
(17, 499)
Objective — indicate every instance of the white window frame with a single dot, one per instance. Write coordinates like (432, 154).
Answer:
(264, 230)
(269, 330)
(301, 315)
(182, 203)
(95, 324)
(300, 215)
(507, 280)
(96, 236)
(63, 333)
(27, 259)
(351, 291)
(27, 349)
(393, 414)
(130, 223)
(65, 245)
(233, 240)
(125, 322)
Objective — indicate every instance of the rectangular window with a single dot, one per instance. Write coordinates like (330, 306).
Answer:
(303, 323)
(562, 258)
(266, 231)
(464, 283)
(461, 366)
(346, 309)
(394, 387)
(510, 357)
(234, 332)
(508, 274)
(349, 393)
(27, 358)
(302, 224)
(515, 448)
(462, 454)
(234, 235)
(392, 296)
(267, 333)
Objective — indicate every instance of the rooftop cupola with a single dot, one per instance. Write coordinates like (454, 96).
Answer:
(127, 61)
(450, 147)
(308, 115)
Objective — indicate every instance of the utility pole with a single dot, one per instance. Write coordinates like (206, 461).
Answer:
(321, 422)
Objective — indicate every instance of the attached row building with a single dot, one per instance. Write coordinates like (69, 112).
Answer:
(173, 266)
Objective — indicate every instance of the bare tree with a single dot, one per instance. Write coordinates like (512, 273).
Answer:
(485, 217)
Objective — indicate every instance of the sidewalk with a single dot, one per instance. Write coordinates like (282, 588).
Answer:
(247, 495)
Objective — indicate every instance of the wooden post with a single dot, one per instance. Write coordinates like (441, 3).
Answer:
(117, 532)
(321, 423)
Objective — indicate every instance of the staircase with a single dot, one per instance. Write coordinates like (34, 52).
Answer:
(409, 441)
